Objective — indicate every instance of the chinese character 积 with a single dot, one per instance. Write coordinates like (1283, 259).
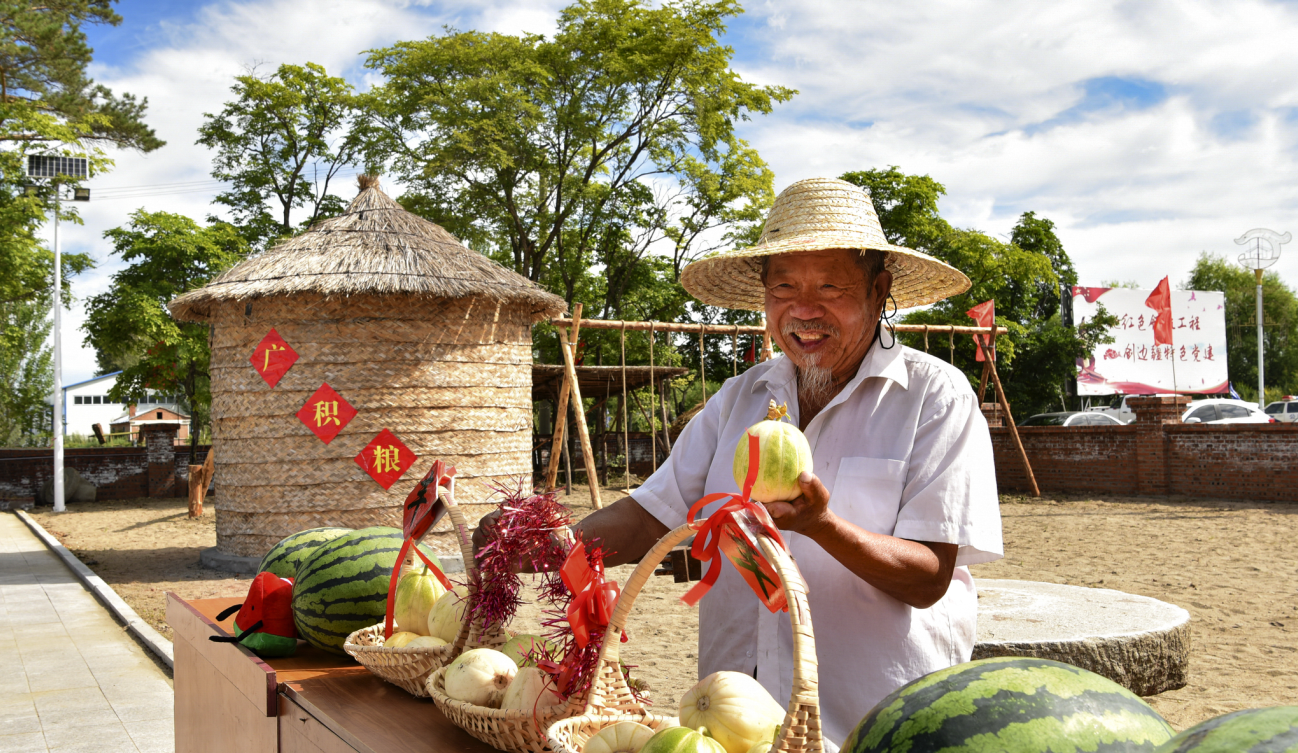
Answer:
(272, 348)
(386, 459)
(325, 412)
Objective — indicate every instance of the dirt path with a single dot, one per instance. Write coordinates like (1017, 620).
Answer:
(1231, 564)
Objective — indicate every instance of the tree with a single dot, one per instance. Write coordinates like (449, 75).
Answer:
(48, 105)
(1037, 359)
(26, 372)
(1279, 324)
(589, 147)
(129, 326)
(283, 138)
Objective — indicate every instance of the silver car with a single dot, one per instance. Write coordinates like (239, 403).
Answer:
(1072, 418)
(1224, 411)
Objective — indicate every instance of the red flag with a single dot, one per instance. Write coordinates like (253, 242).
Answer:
(1161, 301)
(751, 355)
(985, 315)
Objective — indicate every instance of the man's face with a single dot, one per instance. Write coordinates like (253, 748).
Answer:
(821, 309)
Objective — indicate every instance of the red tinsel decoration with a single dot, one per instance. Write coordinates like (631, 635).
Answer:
(522, 535)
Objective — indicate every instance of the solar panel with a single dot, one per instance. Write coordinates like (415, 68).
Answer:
(42, 166)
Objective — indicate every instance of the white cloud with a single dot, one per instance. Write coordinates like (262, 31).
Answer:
(1105, 118)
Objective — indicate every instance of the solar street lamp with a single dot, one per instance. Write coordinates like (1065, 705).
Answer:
(1263, 250)
(58, 170)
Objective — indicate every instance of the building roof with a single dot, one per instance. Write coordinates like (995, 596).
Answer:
(374, 248)
(91, 380)
(143, 408)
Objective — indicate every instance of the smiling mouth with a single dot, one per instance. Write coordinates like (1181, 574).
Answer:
(809, 339)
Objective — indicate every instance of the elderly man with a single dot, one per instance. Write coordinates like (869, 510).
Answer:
(903, 497)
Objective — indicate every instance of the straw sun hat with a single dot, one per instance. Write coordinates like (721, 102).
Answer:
(816, 215)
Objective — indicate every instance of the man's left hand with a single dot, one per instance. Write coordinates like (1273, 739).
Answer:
(808, 514)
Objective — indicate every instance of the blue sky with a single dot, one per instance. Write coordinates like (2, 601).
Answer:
(1148, 131)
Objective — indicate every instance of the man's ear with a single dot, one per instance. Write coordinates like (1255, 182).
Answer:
(882, 287)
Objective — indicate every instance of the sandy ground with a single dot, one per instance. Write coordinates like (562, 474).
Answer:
(1231, 564)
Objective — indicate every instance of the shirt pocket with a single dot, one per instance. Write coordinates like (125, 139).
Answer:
(867, 492)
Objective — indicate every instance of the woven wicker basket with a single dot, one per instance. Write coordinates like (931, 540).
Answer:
(610, 702)
(409, 668)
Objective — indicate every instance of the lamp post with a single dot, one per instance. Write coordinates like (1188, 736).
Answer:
(1263, 250)
(58, 170)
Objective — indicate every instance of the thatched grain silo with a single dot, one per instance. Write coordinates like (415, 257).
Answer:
(419, 334)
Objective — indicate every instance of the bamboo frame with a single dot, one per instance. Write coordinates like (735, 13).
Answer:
(561, 411)
(652, 327)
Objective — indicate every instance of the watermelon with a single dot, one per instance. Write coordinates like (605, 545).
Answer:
(343, 586)
(283, 558)
(1013, 704)
(1273, 729)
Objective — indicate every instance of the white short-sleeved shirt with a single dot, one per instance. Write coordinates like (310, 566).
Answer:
(904, 451)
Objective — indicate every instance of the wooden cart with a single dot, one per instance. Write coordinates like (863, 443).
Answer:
(228, 699)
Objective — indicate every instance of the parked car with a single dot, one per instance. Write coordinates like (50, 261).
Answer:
(1072, 418)
(1224, 411)
(1285, 411)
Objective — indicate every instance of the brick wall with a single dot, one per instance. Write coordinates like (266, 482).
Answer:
(1155, 455)
(116, 472)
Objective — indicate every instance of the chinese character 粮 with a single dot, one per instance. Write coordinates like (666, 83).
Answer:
(386, 459)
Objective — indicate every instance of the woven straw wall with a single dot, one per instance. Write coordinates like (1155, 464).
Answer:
(450, 377)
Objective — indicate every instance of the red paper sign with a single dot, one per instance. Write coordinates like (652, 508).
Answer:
(739, 544)
(272, 358)
(424, 505)
(326, 413)
(386, 459)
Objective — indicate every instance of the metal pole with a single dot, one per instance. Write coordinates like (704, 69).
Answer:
(58, 362)
(1261, 382)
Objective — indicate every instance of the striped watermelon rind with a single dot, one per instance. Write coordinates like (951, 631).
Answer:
(343, 586)
(1270, 729)
(1011, 704)
(284, 558)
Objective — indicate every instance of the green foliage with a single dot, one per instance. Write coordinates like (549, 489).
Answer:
(284, 137)
(26, 373)
(1037, 359)
(129, 326)
(1279, 324)
(571, 157)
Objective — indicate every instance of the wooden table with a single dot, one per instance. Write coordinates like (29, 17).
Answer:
(228, 699)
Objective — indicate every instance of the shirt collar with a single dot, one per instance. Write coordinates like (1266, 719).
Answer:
(878, 362)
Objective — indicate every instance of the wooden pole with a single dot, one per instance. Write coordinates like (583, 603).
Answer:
(667, 435)
(982, 384)
(561, 412)
(626, 424)
(767, 353)
(1009, 418)
(588, 454)
(199, 477)
(703, 377)
(744, 329)
(653, 435)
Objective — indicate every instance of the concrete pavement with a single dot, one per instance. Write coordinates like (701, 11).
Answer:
(73, 679)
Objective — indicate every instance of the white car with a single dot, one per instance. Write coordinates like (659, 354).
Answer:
(1285, 411)
(1072, 418)
(1224, 411)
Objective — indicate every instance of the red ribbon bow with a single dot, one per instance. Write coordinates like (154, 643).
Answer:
(593, 596)
(419, 516)
(723, 523)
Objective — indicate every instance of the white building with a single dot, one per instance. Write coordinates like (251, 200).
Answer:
(86, 404)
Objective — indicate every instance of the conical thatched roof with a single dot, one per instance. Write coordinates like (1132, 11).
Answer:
(374, 248)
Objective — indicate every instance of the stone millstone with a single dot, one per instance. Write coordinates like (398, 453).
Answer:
(1140, 643)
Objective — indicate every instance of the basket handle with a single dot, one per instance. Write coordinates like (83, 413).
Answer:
(801, 729)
